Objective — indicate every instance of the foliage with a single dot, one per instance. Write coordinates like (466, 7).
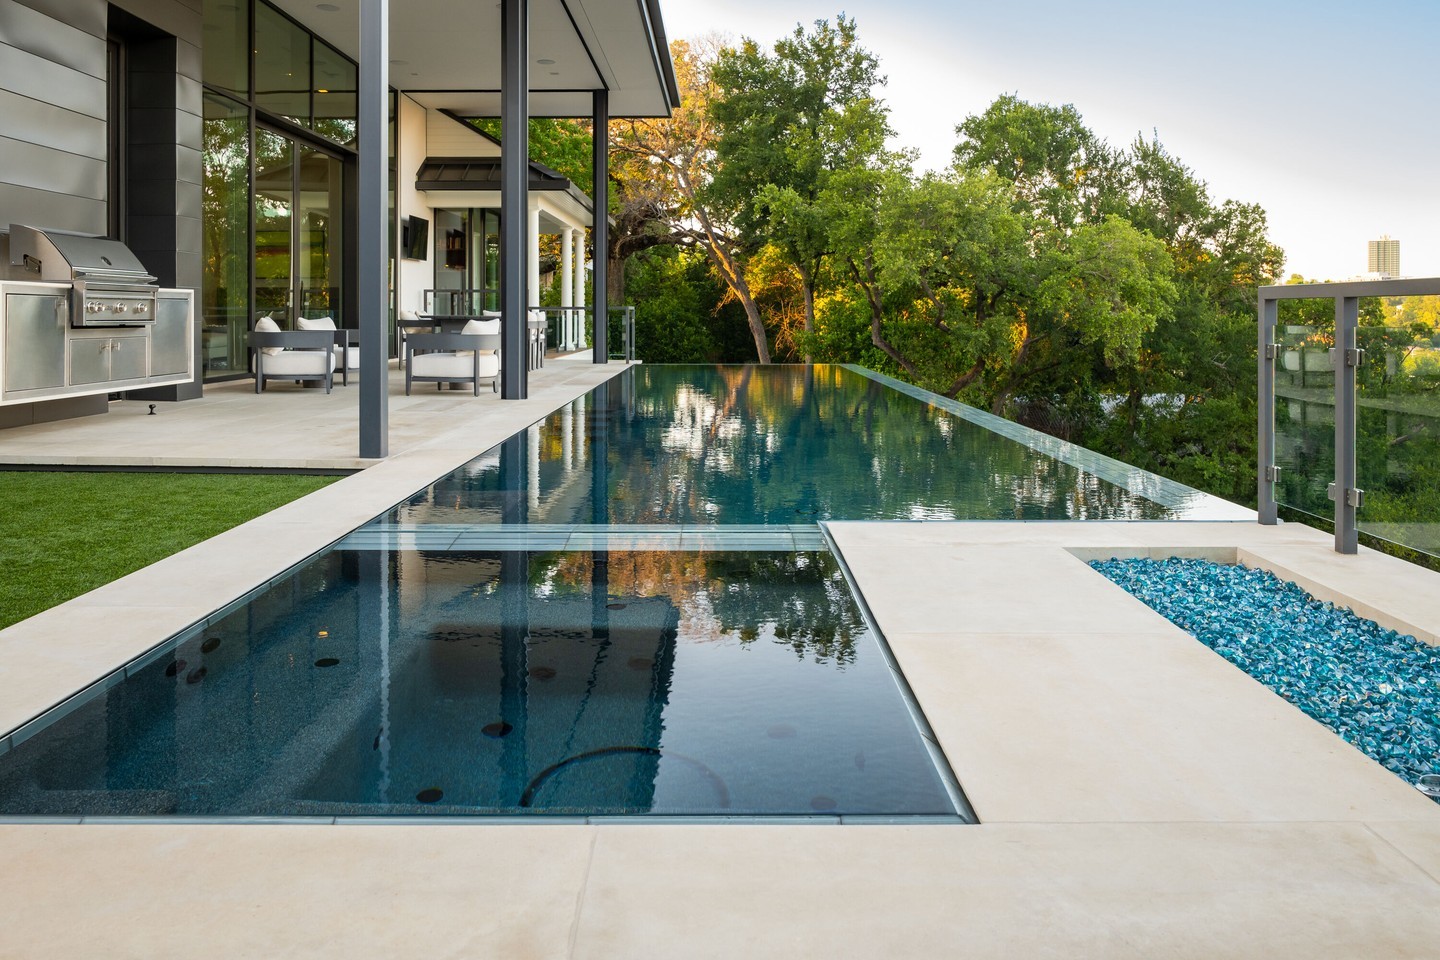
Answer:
(800, 134)
(671, 161)
(680, 312)
(565, 146)
(79, 531)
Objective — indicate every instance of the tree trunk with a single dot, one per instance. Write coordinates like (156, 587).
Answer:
(734, 277)
(807, 285)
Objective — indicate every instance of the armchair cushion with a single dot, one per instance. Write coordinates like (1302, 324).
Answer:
(456, 366)
(303, 363)
(487, 325)
(268, 325)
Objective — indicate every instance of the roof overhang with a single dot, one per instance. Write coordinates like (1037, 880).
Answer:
(478, 179)
(446, 53)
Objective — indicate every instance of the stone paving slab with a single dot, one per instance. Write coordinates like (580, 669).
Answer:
(1058, 697)
(1312, 890)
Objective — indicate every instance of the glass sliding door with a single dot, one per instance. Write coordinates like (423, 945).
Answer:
(299, 201)
(274, 224)
(225, 208)
(318, 223)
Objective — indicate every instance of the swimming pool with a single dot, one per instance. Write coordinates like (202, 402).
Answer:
(630, 608)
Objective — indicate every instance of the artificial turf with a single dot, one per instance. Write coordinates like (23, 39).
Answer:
(63, 534)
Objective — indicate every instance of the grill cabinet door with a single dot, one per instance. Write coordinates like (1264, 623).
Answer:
(34, 341)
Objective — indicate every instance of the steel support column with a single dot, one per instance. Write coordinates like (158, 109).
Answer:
(1266, 471)
(1347, 360)
(372, 293)
(601, 241)
(514, 196)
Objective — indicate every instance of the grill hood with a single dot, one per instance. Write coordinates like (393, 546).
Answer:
(66, 257)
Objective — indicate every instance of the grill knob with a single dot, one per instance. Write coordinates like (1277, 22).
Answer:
(93, 306)
(120, 307)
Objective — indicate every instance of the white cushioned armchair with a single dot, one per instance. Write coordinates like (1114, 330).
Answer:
(471, 355)
(291, 354)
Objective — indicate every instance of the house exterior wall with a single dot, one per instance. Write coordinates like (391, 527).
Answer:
(415, 276)
(53, 106)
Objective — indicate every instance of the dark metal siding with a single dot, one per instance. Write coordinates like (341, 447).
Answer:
(52, 113)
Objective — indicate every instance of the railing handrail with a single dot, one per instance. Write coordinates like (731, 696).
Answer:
(1399, 287)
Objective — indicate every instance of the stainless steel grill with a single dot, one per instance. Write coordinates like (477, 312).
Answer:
(109, 285)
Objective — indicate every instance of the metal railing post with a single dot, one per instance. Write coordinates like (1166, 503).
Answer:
(1343, 491)
(1267, 473)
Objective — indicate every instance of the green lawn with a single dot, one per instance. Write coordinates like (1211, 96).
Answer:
(63, 534)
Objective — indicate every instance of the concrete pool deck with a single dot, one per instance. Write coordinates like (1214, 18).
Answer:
(1139, 796)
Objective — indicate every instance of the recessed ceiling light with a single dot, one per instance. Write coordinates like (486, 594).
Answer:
(545, 60)
(322, 91)
(327, 7)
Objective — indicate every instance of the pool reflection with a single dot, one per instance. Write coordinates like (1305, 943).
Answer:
(766, 445)
(388, 682)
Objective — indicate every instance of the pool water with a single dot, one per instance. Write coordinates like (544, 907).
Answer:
(785, 445)
(384, 682)
(629, 608)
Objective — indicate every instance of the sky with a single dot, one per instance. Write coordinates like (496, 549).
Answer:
(1324, 113)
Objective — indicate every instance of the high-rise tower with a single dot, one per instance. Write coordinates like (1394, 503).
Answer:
(1385, 257)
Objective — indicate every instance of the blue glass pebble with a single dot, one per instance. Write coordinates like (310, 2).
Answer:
(1375, 687)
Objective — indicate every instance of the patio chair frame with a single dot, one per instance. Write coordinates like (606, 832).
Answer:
(304, 340)
(422, 343)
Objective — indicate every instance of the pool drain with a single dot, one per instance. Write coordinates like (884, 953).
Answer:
(210, 645)
(326, 662)
(722, 792)
(196, 675)
(496, 730)
(430, 795)
(175, 668)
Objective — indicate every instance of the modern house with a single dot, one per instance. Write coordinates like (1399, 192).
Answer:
(314, 159)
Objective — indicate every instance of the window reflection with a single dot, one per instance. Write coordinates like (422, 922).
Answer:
(282, 66)
(225, 293)
(335, 92)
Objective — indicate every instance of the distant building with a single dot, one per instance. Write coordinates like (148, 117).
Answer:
(1384, 257)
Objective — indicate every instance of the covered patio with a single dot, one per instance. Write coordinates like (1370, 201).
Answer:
(288, 427)
(590, 59)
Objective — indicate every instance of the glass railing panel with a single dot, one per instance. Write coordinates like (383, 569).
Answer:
(1398, 428)
(1305, 407)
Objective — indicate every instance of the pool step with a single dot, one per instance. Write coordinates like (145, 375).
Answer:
(462, 537)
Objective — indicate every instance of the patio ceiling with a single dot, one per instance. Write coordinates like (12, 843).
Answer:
(446, 54)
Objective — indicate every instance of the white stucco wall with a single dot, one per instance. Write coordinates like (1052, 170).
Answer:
(415, 275)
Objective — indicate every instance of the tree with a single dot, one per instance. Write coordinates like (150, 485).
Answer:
(1063, 175)
(800, 135)
(676, 154)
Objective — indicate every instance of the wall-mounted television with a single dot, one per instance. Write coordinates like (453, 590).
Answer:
(415, 239)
